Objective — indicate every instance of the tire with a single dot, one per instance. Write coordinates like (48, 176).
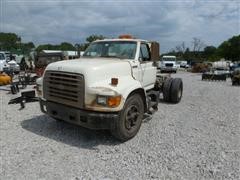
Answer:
(166, 89)
(22, 103)
(58, 120)
(128, 124)
(176, 90)
(234, 82)
(14, 89)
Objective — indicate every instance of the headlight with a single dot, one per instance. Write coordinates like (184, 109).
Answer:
(102, 100)
(110, 101)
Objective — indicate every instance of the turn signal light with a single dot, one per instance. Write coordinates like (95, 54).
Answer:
(114, 101)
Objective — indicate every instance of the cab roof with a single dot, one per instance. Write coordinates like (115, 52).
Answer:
(123, 39)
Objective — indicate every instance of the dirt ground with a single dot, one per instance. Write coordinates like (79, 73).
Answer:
(199, 138)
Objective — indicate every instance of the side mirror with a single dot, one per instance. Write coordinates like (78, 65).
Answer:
(155, 51)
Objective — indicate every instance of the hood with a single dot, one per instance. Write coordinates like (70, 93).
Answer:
(93, 69)
(12, 62)
(3, 61)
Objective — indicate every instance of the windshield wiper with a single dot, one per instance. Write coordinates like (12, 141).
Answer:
(118, 57)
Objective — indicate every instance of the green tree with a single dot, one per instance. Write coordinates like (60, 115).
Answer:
(94, 37)
(9, 41)
(30, 45)
(209, 53)
(45, 47)
(230, 49)
(89, 39)
(65, 46)
(24, 48)
(187, 54)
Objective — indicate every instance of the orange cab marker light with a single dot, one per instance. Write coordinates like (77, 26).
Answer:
(125, 36)
(114, 101)
(114, 81)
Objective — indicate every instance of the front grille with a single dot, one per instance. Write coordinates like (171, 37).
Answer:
(169, 64)
(64, 88)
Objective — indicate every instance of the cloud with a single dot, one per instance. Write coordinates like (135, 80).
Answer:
(170, 22)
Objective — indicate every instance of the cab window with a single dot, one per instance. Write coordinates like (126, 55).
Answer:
(144, 52)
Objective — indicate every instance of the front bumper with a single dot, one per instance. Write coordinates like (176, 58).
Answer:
(84, 118)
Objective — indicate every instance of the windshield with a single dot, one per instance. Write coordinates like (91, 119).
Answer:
(118, 49)
(2, 56)
(168, 59)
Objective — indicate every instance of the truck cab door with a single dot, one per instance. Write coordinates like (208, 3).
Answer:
(147, 70)
(135, 64)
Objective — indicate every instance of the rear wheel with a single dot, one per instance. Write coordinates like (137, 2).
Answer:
(130, 120)
(233, 82)
(166, 89)
(176, 90)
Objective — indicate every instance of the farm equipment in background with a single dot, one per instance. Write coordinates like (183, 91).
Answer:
(28, 77)
(200, 68)
(211, 76)
(23, 80)
(5, 79)
(42, 59)
(218, 72)
(235, 76)
(26, 96)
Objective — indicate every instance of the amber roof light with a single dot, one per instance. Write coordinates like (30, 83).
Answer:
(125, 36)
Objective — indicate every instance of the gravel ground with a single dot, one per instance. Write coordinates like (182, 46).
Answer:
(199, 138)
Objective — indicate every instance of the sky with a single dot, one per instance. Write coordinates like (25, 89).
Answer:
(169, 22)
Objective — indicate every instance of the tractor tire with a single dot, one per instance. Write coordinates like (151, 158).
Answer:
(130, 119)
(235, 82)
(167, 89)
(176, 90)
(14, 89)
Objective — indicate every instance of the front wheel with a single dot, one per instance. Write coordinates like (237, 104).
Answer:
(130, 119)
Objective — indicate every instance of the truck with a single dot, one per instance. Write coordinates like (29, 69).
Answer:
(235, 76)
(3, 61)
(113, 86)
(168, 64)
(41, 60)
(8, 65)
(183, 64)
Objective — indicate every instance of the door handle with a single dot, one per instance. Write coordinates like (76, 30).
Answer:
(135, 66)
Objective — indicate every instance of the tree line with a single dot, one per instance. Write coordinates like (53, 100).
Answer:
(12, 42)
(65, 46)
(229, 49)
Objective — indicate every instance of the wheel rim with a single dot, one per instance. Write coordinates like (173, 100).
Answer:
(132, 115)
(180, 93)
